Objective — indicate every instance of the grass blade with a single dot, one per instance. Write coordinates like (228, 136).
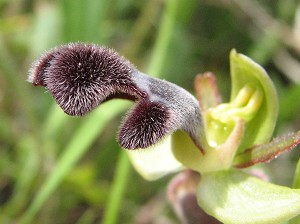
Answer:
(77, 146)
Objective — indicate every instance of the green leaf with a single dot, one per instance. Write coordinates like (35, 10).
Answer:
(235, 197)
(245, 72)
(296, 183)
(295, 220)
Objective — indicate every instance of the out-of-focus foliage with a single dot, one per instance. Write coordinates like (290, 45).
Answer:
(34, 134)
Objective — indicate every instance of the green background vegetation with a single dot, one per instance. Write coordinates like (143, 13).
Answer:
(92, 181)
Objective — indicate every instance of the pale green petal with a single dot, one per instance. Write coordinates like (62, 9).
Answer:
(214, 159)
(155, 162)
(235, 197)
(244, 72)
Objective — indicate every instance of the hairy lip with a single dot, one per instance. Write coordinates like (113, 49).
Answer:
(81, 76)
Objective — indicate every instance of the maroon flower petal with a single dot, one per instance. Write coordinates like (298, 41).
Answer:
(81, 76)
(145, 125)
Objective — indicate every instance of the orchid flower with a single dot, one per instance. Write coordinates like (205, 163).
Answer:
(168, 129)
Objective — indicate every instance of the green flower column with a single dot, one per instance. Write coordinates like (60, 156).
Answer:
(230, 128)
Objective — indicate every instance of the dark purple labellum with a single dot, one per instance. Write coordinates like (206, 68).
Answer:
(81, 76)
(147, 123)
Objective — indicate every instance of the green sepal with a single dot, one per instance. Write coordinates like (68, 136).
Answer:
(214, 159)
(245, 72)
(233, 196)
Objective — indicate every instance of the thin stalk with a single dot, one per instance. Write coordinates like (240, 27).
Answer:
(118, 188)
(155, 67)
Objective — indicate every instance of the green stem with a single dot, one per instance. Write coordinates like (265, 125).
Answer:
(155, 67)
(118, 188)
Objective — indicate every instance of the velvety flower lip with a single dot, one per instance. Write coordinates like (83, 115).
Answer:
(81, 76)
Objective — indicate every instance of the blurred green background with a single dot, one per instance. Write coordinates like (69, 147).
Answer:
(58, 169)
